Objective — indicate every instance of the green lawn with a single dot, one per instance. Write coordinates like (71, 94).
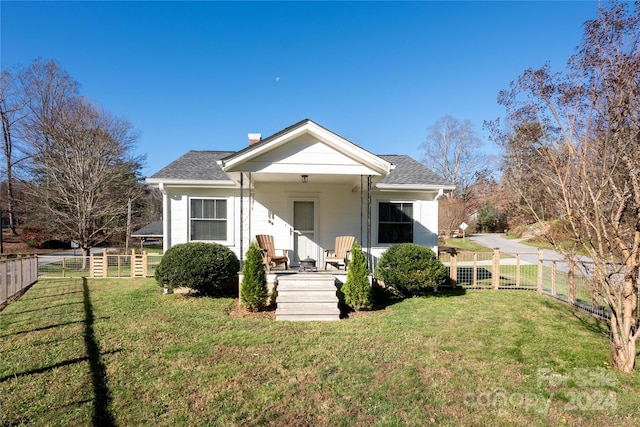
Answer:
(466, 244)
(117, 352)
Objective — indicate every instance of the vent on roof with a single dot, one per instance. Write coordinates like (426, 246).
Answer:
(254, 137)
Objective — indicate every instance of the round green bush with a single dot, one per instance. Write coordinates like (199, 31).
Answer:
(410, 269)
(204, 267)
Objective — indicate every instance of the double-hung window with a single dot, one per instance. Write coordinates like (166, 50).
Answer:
(395, 222)
(208, 219)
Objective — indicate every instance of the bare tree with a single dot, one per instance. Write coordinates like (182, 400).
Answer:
(584, 158)
(452, 211)
(81, 173)
(452, 150)
(10, 109)
(83, 178)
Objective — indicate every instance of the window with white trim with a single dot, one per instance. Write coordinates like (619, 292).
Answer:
(395, 222)
(208, 219)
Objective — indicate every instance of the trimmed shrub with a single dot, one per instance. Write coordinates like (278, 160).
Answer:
(207, 268)
(410, 269)
(253, 291)
(356, 289)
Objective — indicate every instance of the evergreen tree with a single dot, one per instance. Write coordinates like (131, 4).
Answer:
(253, 291)
(357, 290)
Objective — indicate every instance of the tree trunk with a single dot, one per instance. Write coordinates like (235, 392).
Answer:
(86, 254)
(624, 346)
(8, 146)
(624, 321)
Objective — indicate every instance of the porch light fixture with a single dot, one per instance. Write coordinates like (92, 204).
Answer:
(305, 179)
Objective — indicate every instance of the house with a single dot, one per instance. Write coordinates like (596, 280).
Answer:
(305, 185)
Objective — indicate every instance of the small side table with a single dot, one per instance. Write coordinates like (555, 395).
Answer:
(308, 264)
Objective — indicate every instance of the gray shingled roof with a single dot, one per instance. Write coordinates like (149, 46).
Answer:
(202, 165)
(150, 230)
(195, 165)
(409, 171)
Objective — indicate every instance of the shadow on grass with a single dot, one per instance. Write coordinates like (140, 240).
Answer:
(466, 274)
(386, 297)
(589, 321)
(43, 328)
(458, 291)
(50, 367)
(51, 296)
(102, 395)
(49, 307)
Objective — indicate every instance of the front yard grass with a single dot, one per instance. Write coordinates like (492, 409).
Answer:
(118, 352)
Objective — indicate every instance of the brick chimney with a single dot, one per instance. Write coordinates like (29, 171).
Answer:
(254, 137)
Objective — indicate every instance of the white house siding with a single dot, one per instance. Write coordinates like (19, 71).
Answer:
(337, 213)
(178, 203)
(425, 215)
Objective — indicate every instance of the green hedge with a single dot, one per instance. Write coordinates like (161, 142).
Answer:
(207, 268)
(410, 269)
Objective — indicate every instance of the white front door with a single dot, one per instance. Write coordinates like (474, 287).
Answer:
(304, 230)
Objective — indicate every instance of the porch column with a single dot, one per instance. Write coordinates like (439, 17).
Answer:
(244, 208)
(241, 219)
(361, 207)
(368, 219)
(369, 256)
(166, 219)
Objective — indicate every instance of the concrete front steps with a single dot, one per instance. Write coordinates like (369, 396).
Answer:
(305, 296)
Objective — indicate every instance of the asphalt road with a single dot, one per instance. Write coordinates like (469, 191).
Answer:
(513, 247)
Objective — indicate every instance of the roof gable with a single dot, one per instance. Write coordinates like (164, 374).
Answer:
(306, 147)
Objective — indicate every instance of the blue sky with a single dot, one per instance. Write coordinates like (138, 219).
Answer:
(201, 75)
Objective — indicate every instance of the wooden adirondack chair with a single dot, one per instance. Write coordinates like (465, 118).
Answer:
(269, 257)
(339, 256)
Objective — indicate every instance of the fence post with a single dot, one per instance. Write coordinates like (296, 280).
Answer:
(133, 263)
(540, 270)
(553, 278)
(453, 268)
(495, 277)
(34, 268)
(475, 269)
(105, 264)
(20, 271)
(145, 271)
(517, 270)
(92, 266)
(4, 288)
(572, 282)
